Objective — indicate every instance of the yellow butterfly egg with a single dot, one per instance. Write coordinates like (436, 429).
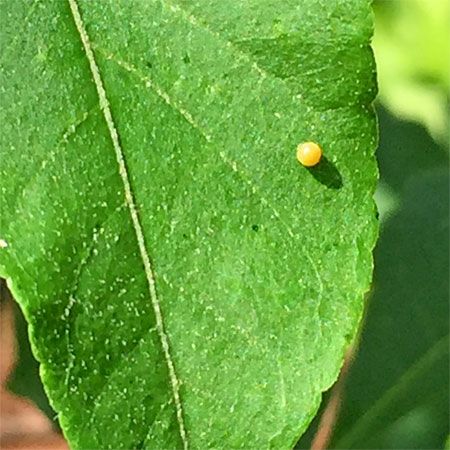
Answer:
(309, 154)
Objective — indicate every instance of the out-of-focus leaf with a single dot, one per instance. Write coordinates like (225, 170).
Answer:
(412, 48)
(405, 150)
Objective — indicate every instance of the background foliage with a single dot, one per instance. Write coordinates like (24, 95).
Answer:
(396, 391)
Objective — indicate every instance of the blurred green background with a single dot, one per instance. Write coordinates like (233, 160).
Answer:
(396, 392)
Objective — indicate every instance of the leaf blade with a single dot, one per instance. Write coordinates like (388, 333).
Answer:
(192, 270)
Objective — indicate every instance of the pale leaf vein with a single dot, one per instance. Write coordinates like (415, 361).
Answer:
(105, 107)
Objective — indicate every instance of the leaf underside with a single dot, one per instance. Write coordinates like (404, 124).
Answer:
(186, 282)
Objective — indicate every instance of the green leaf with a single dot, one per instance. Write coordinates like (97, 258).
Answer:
(187, 283)
(397, 389)
(414, 88)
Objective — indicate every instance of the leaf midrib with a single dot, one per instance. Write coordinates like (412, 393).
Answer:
(105, 107)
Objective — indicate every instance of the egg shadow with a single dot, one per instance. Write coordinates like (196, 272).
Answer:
(327, 174)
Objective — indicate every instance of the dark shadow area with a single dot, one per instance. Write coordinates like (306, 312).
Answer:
(327, 174)
(306, 440)
(4, 292)
(140, 445)
(405, 149)
(25, 380)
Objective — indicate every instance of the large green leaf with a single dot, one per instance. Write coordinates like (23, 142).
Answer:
(186, 281)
